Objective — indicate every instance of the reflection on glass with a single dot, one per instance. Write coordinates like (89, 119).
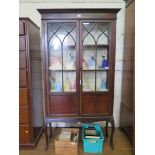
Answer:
(101, 81)
(88, 81)
(55, 61)
(69, 80)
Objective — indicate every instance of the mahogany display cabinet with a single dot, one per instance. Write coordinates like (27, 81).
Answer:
(79, 64)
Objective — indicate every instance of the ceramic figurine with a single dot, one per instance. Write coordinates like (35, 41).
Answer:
(104, 64)
(91, 62)
(67, 85)
(58, 86)
(103, 85)
(52, 81)
(70, 63)
(56, 63)
(85, 65)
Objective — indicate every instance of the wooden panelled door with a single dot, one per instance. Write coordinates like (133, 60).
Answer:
(63, 67)
(95, 46)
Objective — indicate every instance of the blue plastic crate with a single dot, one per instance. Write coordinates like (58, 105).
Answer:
(93, 145)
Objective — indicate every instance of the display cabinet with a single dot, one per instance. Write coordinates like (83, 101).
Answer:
(79, 64)
(30, 84)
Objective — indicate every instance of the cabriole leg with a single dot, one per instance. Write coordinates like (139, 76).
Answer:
(46, 136)
(112, 133)
(106, 129)
(50, 126)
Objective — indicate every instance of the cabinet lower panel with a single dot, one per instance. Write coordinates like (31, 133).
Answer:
(95, 104)
(64, 104)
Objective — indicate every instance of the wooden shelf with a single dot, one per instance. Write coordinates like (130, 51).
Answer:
(93, 46)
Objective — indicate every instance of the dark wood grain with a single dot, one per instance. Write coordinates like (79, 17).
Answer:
(22, 43)
(23, 115)
(66, 104)
(22, 28)
(24, 134)
(23, 97)
(22, 78)
(95, 104)
(22, 60)
(61, 14)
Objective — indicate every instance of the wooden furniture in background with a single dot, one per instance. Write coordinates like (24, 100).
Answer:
(29, 49)
(78, 88)
(128, 93)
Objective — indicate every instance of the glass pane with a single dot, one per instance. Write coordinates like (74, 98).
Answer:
(62, 56)
(55, 78)
(101, 81)
(54, 47)
(69, 47)
(88, 81)
(95, 45)
(69, 55)
(69, 81)
(88, 59)
(97, 33)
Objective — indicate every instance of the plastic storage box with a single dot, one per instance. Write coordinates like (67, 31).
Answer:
(94, 144)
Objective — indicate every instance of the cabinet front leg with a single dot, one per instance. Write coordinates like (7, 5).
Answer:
(50, 126)
(46, 136)
(112, 133)
(106, 129)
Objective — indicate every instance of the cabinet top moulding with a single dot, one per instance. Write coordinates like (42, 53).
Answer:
(78, 13)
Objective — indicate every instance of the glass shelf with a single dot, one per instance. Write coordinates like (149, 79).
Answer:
(95, 69)
(60, 70)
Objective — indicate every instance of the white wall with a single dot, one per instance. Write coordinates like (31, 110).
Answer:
(27, 8)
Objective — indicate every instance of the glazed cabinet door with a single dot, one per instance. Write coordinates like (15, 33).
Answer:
(62, 61)
(95, 67)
